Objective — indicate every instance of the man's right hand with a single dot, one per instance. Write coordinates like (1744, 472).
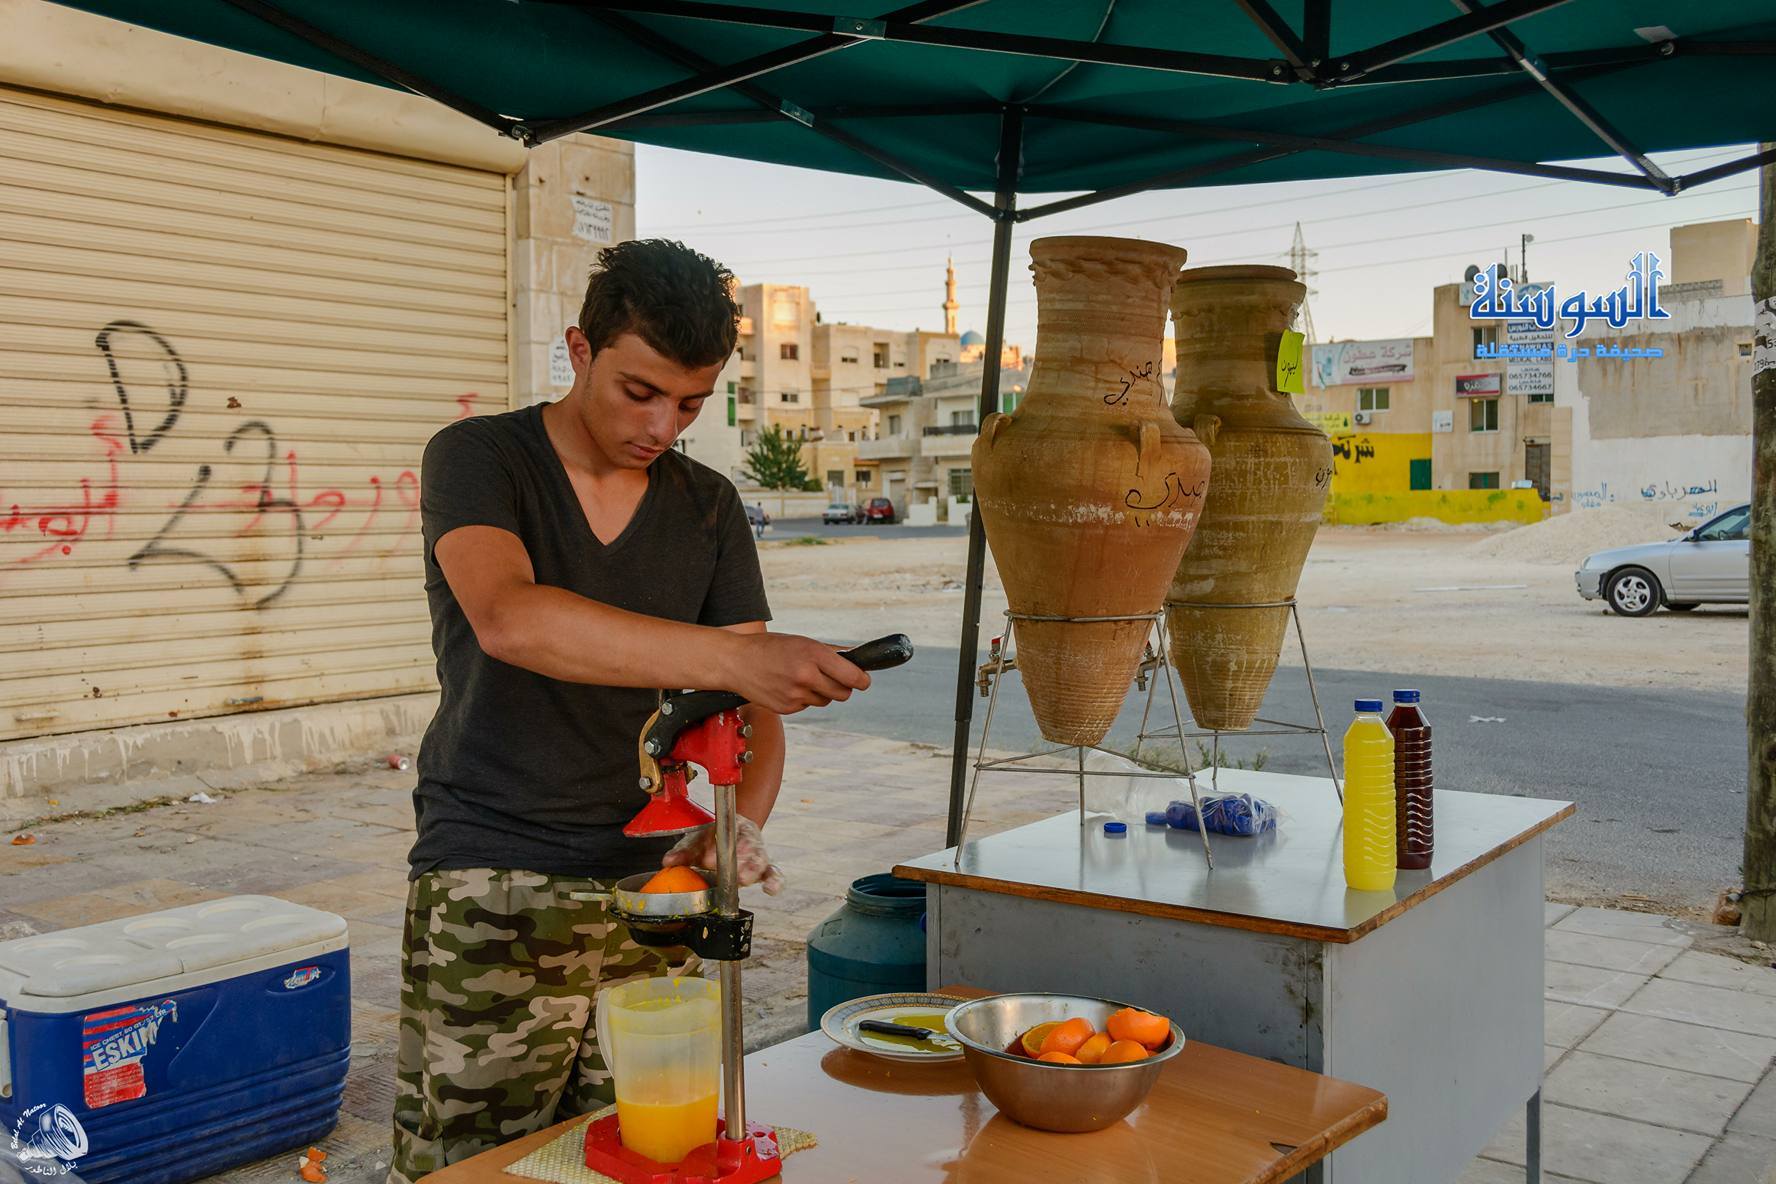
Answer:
(786, 673)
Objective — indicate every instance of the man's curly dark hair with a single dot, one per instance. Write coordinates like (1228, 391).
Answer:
(677, 300)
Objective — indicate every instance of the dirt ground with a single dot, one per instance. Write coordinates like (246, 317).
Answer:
(1438, 601)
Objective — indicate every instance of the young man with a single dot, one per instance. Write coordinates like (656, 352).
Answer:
(574, 562)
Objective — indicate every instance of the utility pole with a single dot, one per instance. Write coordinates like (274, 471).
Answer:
(1523, 256)
(1301, 262)
(1758, 903)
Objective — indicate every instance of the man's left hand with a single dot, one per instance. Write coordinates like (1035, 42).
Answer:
(697, 849)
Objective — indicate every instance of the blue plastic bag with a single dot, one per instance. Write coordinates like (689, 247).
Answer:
(1225, 814)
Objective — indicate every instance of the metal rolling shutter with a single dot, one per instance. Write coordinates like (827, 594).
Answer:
(221, 354)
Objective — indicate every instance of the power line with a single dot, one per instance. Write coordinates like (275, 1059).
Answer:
(1443, 254)
(1388, 238)
(1195, 237)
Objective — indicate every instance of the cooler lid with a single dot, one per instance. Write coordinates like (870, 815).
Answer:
(131, 950)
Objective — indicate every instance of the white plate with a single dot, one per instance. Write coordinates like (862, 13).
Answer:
(840, 1023)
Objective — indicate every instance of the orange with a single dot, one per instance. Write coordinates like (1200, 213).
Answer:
(1069, 1036)
(1059, 1058)
(676, 879)
(1032, 1040)
(1093, 1050)
(1123, 1050)
(1141, 1027)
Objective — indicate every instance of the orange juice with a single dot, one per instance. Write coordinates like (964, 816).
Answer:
(666, 1132)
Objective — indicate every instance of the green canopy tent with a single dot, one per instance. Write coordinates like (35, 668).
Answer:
(1018, 97)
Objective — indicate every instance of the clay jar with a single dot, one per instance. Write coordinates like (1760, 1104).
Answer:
(1090, 490)
(1272, 472)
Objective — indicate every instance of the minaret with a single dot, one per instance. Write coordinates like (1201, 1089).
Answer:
(950, 306)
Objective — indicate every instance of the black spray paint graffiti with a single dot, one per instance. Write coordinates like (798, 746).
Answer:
(154, 549)
(177, 385)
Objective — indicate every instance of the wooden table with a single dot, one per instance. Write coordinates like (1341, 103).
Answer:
(1431, 992)
(1214, 1117)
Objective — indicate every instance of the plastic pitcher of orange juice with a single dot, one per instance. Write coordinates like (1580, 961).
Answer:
(661, 1038)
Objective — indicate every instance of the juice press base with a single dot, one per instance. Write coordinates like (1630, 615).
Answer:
(723, 1161)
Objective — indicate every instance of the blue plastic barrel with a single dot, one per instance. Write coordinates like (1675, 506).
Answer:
(872, 945)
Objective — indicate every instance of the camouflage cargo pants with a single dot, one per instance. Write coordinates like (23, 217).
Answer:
(499, 974)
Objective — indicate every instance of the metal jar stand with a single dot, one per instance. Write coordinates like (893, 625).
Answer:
(1271, 727)
(991, 674)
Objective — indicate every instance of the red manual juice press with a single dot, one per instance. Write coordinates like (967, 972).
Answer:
(703, 728)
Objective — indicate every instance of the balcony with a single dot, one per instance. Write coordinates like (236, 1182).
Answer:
(885, 448)
(948, 440)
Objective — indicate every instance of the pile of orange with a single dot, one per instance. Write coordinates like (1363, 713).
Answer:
(1128, 1035)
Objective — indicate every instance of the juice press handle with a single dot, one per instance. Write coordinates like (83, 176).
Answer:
(884, 653)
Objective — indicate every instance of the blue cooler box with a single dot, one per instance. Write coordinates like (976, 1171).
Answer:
(165, 1047)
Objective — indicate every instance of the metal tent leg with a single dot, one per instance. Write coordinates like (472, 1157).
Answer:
(1011, 140)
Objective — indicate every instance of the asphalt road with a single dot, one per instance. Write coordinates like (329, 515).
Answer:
(1658, 775)
(782, 529)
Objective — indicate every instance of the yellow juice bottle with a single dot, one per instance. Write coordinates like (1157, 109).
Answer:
(1369, 837)
(666, 1132)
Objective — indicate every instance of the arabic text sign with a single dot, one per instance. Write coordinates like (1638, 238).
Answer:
(592, 219)
(1368, 363)
(1288, 375)
(1470, 385)
(1534, 374)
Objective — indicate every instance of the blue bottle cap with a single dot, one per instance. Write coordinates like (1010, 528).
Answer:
(1369, 705)
(1156, 818)
(1116, 828)
(1405, 696)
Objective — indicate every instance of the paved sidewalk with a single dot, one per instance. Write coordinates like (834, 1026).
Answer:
(1658, 1060)
(1659, 1055)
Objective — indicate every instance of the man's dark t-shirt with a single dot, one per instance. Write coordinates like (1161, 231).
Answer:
(518, 770)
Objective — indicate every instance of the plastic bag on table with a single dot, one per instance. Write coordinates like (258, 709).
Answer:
(1225, 814)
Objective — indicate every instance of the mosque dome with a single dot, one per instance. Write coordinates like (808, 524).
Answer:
(973, 338)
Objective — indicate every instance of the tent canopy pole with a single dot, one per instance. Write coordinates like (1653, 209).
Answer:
(1011, 146)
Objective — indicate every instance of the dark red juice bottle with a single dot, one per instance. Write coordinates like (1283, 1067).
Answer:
(1412, 781)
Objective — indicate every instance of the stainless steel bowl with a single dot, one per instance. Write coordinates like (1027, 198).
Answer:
(635, 907)
(1047, 1096)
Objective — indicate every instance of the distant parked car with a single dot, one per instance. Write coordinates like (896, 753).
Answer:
(879, 509)
(838, 512)
(1709, 565)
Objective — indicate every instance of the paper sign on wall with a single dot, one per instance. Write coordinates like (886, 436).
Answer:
(1442, 421)
(1289, 376)
(592, 219)
(561, 371)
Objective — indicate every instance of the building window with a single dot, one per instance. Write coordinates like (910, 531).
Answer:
(900, 365)
(1483, 416)
(746, 438)
(863, 476)
(1009, 400)
(851, 436)
(962, 483)
(1544, 397)
(943, 361)
(849, 357)
(1745, 349)
(1487, 335)
(894, 425)
(730, 388)
(733, 416)
(745, 395)
(1372, 398)
(835, 476)
(961, 419)
(1483, 480)
(881, 358)
(789, 351)
(790, 395)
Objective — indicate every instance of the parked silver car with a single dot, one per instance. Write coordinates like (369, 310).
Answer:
(1709, 565)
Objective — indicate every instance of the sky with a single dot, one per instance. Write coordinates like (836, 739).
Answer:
(872, 252)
